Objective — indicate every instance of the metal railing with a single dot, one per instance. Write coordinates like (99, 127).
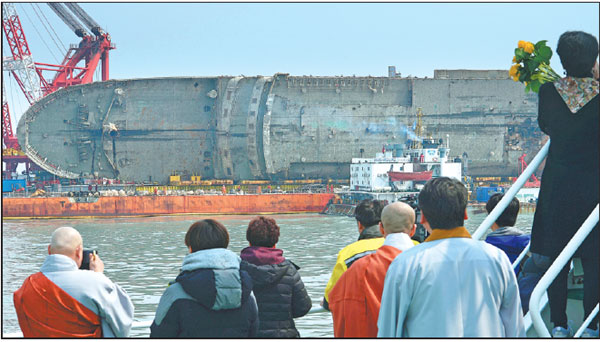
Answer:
(521, 256)
(511, 193)
(563, 258)
(131, 191)
(538, 299)
(587, 322)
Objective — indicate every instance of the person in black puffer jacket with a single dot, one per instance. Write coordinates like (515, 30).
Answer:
(212, 296)
(280, 293)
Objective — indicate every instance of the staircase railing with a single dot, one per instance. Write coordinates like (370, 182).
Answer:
(563, 258)
(536, 302)
(521, 256)
(511, 193)
(587, 321)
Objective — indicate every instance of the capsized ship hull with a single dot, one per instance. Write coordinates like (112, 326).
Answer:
(279, 127)
(54, 207)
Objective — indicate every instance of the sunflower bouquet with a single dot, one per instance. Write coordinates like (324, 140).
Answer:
(532, 65)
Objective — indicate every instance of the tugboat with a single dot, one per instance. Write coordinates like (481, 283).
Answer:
(397, 173)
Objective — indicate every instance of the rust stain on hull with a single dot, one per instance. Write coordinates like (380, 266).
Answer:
(54, 207)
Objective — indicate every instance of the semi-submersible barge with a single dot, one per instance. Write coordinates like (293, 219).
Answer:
(279, 127)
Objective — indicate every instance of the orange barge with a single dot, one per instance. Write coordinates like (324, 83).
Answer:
(64, 207)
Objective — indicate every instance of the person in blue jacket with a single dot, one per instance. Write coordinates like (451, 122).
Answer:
(212, 296)
(504, 236)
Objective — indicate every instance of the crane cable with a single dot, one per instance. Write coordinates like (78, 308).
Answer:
(62, 44)
(47, 31)
(14, 105)
(38, 32)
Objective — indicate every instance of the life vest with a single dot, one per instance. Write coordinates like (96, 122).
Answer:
(46, 310)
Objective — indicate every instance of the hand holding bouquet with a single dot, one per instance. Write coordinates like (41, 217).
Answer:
(532, 65)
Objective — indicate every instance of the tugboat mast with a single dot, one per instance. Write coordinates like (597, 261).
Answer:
(416, 144)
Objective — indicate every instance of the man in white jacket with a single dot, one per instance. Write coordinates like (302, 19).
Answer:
(450, 285)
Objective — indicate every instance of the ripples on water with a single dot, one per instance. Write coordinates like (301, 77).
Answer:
(143, 254)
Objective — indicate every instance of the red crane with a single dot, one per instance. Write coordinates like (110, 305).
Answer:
(91, 49)
(12, 155)
(10, 141)
(29, 75)
(23, 69)
(533, 181)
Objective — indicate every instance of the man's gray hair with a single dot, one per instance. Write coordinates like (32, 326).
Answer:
(398, 217)
(65, 240)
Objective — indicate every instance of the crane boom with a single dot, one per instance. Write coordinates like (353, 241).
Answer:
(14, 32)
(91, 49)
(21, 63)
(68, 19)
(7, 132)
(85, 18)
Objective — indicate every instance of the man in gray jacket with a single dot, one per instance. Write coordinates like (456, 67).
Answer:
(63, 301)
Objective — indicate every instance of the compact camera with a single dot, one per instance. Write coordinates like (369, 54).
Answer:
(87, 254)
(421, 233)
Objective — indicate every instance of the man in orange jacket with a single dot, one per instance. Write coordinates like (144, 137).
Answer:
(355, 300)
(63, 301)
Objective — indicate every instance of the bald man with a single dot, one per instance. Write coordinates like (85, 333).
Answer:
(63, 301)
(356, 297)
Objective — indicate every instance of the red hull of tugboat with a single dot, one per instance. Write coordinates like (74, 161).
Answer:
(64, 207)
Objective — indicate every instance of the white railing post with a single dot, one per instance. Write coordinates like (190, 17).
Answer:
(512, 192)
(587, 322)
(563, 258)
(521, 256)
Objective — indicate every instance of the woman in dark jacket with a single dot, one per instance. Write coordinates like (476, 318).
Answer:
(211, 297)
(568, 113)
(279, 291)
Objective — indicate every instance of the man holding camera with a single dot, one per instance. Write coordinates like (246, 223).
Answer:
(63, 301)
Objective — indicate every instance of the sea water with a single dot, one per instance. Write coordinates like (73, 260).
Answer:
(143, 254)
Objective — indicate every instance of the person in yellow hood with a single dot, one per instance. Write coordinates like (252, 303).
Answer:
(368, 216)
(355, 300)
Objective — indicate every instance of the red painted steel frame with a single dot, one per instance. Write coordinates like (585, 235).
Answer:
(15, 36)
(91, 49)
(7, 134)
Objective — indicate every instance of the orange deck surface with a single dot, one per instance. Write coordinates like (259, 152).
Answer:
(165, 205)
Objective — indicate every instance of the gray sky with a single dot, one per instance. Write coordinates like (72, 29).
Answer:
(325, 39)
